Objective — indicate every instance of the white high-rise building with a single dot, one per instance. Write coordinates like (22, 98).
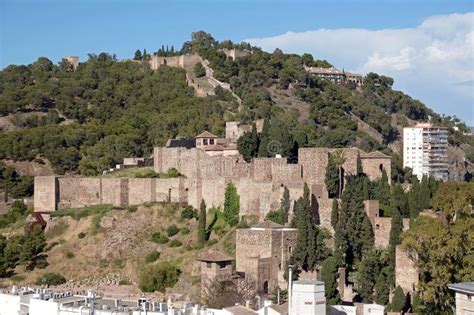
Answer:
(425, 150)
(308, 298)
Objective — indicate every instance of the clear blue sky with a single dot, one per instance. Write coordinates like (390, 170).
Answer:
(55, 28)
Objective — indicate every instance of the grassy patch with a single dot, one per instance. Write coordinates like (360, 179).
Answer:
(143, 172)
(57, 230)
(385, 211)
(79, 213)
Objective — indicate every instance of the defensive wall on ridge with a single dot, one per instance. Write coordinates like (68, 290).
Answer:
(260, 184)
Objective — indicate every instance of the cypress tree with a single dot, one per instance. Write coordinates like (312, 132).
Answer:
(285, 204)
(332, 177)
(334, 213)
(329, 276)
(231, 205)
(382, 290)
(366, 276)
(414, 199)
(264, 140)
(202, 224)
(383, 189)
(398, 200)
(399, 300)
(360, 170)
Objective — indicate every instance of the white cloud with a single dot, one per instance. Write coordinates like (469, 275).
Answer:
(433, 61)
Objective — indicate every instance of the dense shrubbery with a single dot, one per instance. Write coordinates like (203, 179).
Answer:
(23, 250)
(18, 211)
(158, 277)
(172, 230)
(152, 256)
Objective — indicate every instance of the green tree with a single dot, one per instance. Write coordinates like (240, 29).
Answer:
(332, 177)
(381, 289)
(455, 199)
(199, 70)
(383, 189)
(329, 275)
(276, 216)
(367, 272)
(138, 55)
(399, 300)
(339, 159)
(158, 277)
(444, 255)
(334, 213)
(202, 223)
(248, 143)
(231, 205)
(285, 204)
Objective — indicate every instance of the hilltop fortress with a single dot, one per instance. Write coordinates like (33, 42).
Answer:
(208, 163)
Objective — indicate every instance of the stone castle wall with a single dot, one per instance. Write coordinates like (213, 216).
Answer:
(182, 61)
(262, 253)
(406, 271)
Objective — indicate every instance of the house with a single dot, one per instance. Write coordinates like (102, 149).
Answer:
(464, 297)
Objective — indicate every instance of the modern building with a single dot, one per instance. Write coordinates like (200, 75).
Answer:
(308, 298)
(464, 297)
(425, 150)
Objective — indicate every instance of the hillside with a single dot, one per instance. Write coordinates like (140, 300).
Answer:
(87, 120)
(107, 249)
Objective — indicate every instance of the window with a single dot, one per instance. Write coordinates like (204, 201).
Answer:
(204, 141)
(211, 141)
(209, 265)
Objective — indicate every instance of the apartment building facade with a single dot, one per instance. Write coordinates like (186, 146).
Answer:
(425, 150)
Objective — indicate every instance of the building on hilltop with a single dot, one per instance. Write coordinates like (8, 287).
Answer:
(335, 75)
(235, 53)
(425, 150)
(262, 252)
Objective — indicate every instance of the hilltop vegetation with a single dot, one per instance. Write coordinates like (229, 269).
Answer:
(109, 109)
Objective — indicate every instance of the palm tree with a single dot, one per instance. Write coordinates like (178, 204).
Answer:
(339, 159)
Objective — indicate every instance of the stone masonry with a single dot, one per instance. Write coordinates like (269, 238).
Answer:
(262, 252)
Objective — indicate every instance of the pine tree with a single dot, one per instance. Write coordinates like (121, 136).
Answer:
(382, 290)
(231, 205)
(329, 275)
(281, 140)
(138, 55)
(285, 204)
(202, 224)
(332, 177)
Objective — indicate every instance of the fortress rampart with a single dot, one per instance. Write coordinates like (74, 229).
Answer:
(260, 183)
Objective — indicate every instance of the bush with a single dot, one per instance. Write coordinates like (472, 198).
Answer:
(188, 213)
(69, 255)
(50, 279)
(159, 238)
(175, 243)
(158, 277)
(199, 70)
(172, 230)
(81, 235)
(276, 216)
(152, 256)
